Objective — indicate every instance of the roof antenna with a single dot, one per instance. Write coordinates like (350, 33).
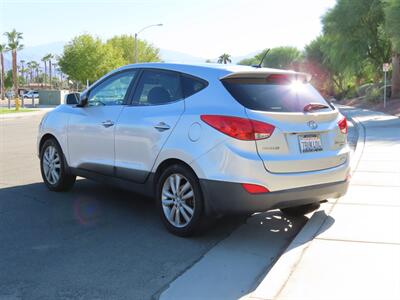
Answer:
(262, 60)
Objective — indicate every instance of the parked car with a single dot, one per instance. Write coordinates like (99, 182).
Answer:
(203, 141)
(29, 95)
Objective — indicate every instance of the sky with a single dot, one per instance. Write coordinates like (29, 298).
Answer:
(204, 28)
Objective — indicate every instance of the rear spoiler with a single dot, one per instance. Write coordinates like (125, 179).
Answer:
(267, 73)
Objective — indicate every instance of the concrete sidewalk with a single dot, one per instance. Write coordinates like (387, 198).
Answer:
(356, 250)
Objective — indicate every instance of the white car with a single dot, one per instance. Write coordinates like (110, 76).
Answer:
(202, 140)
(30, 94)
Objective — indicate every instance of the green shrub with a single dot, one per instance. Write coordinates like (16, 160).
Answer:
(374, 94)
(362, 90)
(351, 93)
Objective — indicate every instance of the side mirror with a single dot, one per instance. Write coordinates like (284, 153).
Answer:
(72, 99)
(83, 100)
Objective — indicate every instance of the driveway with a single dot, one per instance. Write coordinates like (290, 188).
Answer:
(94, 242)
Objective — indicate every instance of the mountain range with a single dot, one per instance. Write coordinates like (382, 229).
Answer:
(37, 52)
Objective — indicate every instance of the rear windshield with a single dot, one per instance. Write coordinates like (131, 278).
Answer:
(273, 97)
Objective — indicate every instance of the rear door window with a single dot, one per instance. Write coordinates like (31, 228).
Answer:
(157, 87)
(273, 97)
(192, 85)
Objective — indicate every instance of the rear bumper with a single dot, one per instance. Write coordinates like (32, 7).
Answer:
(223, 198)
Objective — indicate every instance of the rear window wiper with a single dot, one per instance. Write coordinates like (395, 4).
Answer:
(314, 106)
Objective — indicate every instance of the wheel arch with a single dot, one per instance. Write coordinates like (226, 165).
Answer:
(172, 161)
(167, 163)
(46, 137)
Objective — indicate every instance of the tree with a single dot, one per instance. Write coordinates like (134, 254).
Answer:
(87, 58)
(2, 78)
(125, 44)
(49, 58)
(317, 63)
(252, 61)
(55, 65)
(45, 59)
(31, 69)
(22, 70)
(392, 12)
(224, 59)
(280, 57)
(35, 66)
(14, 45)
(355, 35)
(8, 79)
(22, 79)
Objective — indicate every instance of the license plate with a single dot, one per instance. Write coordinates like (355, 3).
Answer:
(310, 143)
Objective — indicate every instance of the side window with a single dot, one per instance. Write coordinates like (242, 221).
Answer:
(158, 87)
(111, 91)
(192, 85)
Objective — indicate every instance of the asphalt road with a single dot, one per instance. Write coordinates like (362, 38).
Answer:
(94, 242)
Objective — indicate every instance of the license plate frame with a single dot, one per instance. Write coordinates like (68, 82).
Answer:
(309, 143)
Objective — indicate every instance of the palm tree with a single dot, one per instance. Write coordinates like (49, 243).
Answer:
(30, 68)
(35, 67)
(14, 44)
(49, 58)
(22, 69)
(55, 65)
(24, 72)
(2, 50)
(33, 70)
(224, 59)
(45, 59)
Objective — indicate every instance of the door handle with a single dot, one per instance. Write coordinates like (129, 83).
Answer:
(107, 123)
(162, 126)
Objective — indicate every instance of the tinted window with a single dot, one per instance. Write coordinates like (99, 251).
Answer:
(273, 97)
(192, 85)
(112, 91)
(157, 87)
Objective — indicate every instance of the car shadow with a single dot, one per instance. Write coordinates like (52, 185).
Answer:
(106, 241)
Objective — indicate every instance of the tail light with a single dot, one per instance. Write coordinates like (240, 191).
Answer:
(239, 128)
(254, 188)
(343, 126)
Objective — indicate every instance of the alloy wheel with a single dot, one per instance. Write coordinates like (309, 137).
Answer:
(52, 165)
(178, 201)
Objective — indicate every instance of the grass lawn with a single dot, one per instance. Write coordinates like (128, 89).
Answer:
(21, 110)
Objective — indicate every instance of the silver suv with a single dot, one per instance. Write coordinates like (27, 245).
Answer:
(203, 140)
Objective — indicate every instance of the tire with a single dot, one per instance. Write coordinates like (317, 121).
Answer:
(51, 153)
(170, 203)
(302, 210)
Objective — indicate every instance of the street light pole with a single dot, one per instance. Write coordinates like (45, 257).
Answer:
(136, 47)
(136, 38)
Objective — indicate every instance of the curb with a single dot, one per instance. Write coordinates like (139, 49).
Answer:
(271, 285)
(360, 141)
(24, 114)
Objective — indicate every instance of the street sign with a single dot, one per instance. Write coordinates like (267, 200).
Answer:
(386, 67)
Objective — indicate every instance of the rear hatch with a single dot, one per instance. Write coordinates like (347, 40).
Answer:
(307, 136)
